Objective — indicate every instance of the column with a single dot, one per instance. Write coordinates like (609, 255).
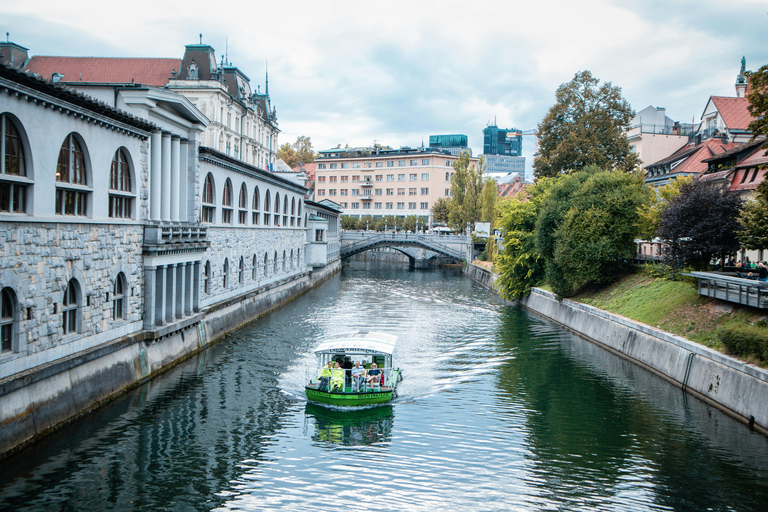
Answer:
(184, 181)
(189, 277)
(155, 182)
(196, 287)
(160, 287)
(149, 296)
(166, 173)
(170, 306)
(175, 179)
(180, 289)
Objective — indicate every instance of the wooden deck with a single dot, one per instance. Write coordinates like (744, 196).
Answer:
(730, 288)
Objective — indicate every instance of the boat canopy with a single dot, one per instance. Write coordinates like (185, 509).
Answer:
(358, 343)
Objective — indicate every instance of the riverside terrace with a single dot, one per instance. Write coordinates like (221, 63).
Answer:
(732, 288)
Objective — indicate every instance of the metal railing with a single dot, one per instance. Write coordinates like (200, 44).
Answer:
(437, 243)
(749, 292)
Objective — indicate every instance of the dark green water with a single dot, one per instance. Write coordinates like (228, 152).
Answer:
(499, 410)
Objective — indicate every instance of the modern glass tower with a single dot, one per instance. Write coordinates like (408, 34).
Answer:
(498, 141)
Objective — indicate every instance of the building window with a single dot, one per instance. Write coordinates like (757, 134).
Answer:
(413, 163)
(71, 179)
(345, 165)
(424, 191)
(379, 164)
(8, 327)
(118, 297)
(425, 161)
(401, 163)
(401, 177)
(447, 176)
(208, 206)
(255, 268)
(207, 278)
(355, 165)
(377, 206)
(343, 191)
(355, 192)
(400, 206)
(321, 166)
(318, 235)
(379, 177)
(425, 206)
(226, 272)
(401, 191)
(448, 163)
(243, 205)
(344, 179)
(413, 176)
(70, 307)
(255, 206)
(448, 192)
(321, 192)
(411, 206)
(226, 203)
(355, 206)
(120, 187)
(332, 192)
(390, 163)
(390, 191)
(343, 205)
(321, 179)
(390, 177)
(388, 206)
(332, 179)
(425, 176)
(377, 192)
(13, 193)
(412, 191)
(333, 166)
(355, 178)
(274, 264)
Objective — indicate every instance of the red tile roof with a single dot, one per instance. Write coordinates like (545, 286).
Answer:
(734, 112)
(113, 70)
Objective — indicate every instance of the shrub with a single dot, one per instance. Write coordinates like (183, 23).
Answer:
(745, 341)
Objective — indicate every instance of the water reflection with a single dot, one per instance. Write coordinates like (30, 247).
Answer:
(350, 427)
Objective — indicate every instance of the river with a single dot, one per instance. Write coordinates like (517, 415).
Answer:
(499, 410)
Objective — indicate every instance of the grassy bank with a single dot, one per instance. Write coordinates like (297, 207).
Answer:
(674, 306)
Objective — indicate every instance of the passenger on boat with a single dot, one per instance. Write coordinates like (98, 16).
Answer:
(347, 365)
(358, 374)
(337, 378)
(325, 376)
(374, 375)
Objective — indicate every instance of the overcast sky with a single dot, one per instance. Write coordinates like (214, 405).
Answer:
(351, 72)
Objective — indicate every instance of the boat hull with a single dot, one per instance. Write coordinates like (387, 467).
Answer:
(349, 399)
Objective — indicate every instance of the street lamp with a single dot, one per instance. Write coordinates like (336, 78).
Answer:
(366, 225)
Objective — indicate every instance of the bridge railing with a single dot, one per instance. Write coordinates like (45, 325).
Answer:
(438, 243)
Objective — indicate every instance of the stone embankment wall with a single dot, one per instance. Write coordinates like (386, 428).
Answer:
(49, 396)
(735, 387)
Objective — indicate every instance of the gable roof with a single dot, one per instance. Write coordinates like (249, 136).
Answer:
(690, 158)
(734, 112)
(111, 70)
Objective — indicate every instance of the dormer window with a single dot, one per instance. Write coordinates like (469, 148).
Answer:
(192, 72)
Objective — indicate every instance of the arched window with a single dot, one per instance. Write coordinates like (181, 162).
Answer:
(266, 264)
(226, 203)
(120, 187)
(13, 194)
(255, 207)
(285, 210)
(277, 209)
(298, 215)
(118, 298)
(226, 272)
(208, 194)
(255, 270)
(71, 307)
(266, 208)
(293, 211)
(298, 258)
(241, 275)
(8, 327)
(207, 278)
(242, 213)
(71, 177)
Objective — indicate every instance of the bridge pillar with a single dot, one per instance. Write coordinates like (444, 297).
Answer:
(421, 261)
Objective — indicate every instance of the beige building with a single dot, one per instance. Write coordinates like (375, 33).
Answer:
(382, 182)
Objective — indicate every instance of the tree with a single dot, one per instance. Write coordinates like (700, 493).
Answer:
(440, 210)
(754, 221)
(466, 187)
(699, 224)
(758, 102)
(489, 193)
(584, 127)
(298, 153)
(650, 216)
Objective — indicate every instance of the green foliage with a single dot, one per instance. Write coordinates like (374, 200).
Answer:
(440, 210)
(745, 341)
(758, 102)
(519, 265)
(586, 126)
(587, 227)
(754, 220)
(490, 191)
(298, 153)
(466, 186)
(661, 270)
(650, 215)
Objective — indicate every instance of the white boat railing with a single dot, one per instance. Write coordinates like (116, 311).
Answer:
(387, 382)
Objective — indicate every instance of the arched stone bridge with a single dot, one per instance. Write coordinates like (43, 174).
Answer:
(453, 246)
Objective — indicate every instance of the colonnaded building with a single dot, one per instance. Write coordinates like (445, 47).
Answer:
(382, 181)
(139, 222)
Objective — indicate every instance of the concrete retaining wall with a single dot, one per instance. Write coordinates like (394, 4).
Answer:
(47, 397)
(735, 387)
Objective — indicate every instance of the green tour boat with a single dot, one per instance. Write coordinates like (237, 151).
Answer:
(354, 369)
